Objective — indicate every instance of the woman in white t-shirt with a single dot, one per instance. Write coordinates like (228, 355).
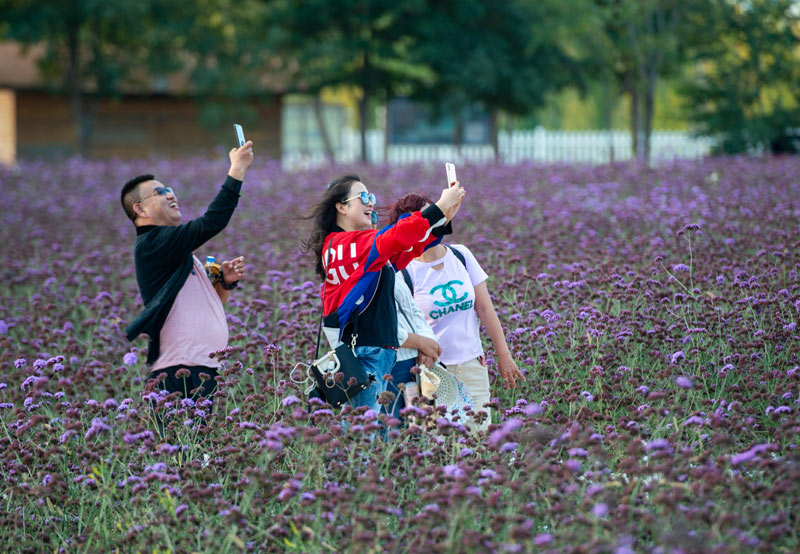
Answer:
(450, 287)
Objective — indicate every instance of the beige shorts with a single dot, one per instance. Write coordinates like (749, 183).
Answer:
(476, 377)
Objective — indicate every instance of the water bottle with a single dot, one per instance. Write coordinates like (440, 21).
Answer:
(213, 269)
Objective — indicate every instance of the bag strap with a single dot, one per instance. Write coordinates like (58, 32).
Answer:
(407, 279)
(402, 311)
(407, 275)
(457, 254)
(322, 315)
(354, 318)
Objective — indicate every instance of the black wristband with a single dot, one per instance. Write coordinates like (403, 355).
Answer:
(225, 285)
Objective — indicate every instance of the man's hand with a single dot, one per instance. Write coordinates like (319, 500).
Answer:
(233, 270)
(241, 158)
(450, 200)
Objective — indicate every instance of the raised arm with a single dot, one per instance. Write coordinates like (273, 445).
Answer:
(407, 238)
(174, 243)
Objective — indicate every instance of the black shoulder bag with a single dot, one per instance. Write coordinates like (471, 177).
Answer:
(339, 374)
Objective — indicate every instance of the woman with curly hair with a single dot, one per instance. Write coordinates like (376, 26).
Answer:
(450, 287)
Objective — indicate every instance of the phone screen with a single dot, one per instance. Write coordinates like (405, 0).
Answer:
(239, 134)
(451, 173)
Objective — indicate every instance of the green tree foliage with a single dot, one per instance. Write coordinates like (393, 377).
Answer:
(93, 47)
(628, 46)
(229, 52)
(502, 55)
(744, 89)
(360, 43)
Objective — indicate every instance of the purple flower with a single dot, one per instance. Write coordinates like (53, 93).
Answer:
(542, 539)
(290, 400)
(693, 420)
(453, 471)
(680, 267)
(110, 404)
(498, 436)
(600, 509)
(658, 444)
(97, 426)
(3, 327)
(130, 358)
(677, 356)
(533, 409)
(19, 363)
(683, 382)
(750, 454)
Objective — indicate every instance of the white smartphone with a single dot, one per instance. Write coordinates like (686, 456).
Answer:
(451, 173)
(239, 134)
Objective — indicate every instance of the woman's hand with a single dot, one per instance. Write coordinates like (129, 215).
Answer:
(450, 200)
(509, 371)
(429, 348)
(427, 361)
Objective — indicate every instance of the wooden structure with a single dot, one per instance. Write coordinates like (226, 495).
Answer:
(37, 123)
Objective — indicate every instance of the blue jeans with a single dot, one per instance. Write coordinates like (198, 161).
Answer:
(401, 373)
(377, 362)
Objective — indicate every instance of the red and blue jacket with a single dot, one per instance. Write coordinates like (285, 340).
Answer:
(354, 261)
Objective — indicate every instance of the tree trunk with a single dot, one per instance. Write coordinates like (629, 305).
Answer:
(493, 132)
(363, 104)
(74, 88)
(607, 112)
(458, 132)
(323, 129)
(649, 102)
(635, 122)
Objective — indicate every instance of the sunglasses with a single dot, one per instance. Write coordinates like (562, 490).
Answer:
(158, 191)
(366, 199)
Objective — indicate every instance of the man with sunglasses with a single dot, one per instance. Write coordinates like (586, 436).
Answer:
(183, 314)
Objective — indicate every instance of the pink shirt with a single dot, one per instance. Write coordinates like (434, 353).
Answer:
(195, 326)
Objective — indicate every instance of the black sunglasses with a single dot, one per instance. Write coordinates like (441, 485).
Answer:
(158, 191)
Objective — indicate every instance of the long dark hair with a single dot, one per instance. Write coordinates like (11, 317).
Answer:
(323, 214)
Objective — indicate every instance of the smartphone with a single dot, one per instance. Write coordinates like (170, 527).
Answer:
(451, 173)
(239, 134)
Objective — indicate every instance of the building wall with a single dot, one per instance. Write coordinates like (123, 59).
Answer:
(134, 127)
(8, 133)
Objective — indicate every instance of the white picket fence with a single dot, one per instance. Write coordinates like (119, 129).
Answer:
(594, 147)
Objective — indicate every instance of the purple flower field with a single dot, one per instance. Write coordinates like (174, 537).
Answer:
(653, 310)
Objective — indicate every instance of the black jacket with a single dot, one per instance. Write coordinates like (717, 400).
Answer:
(163, 258)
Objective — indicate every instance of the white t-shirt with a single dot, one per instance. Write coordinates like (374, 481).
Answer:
(447, 298)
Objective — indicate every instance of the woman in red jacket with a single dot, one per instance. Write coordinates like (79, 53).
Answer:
(358, 265)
